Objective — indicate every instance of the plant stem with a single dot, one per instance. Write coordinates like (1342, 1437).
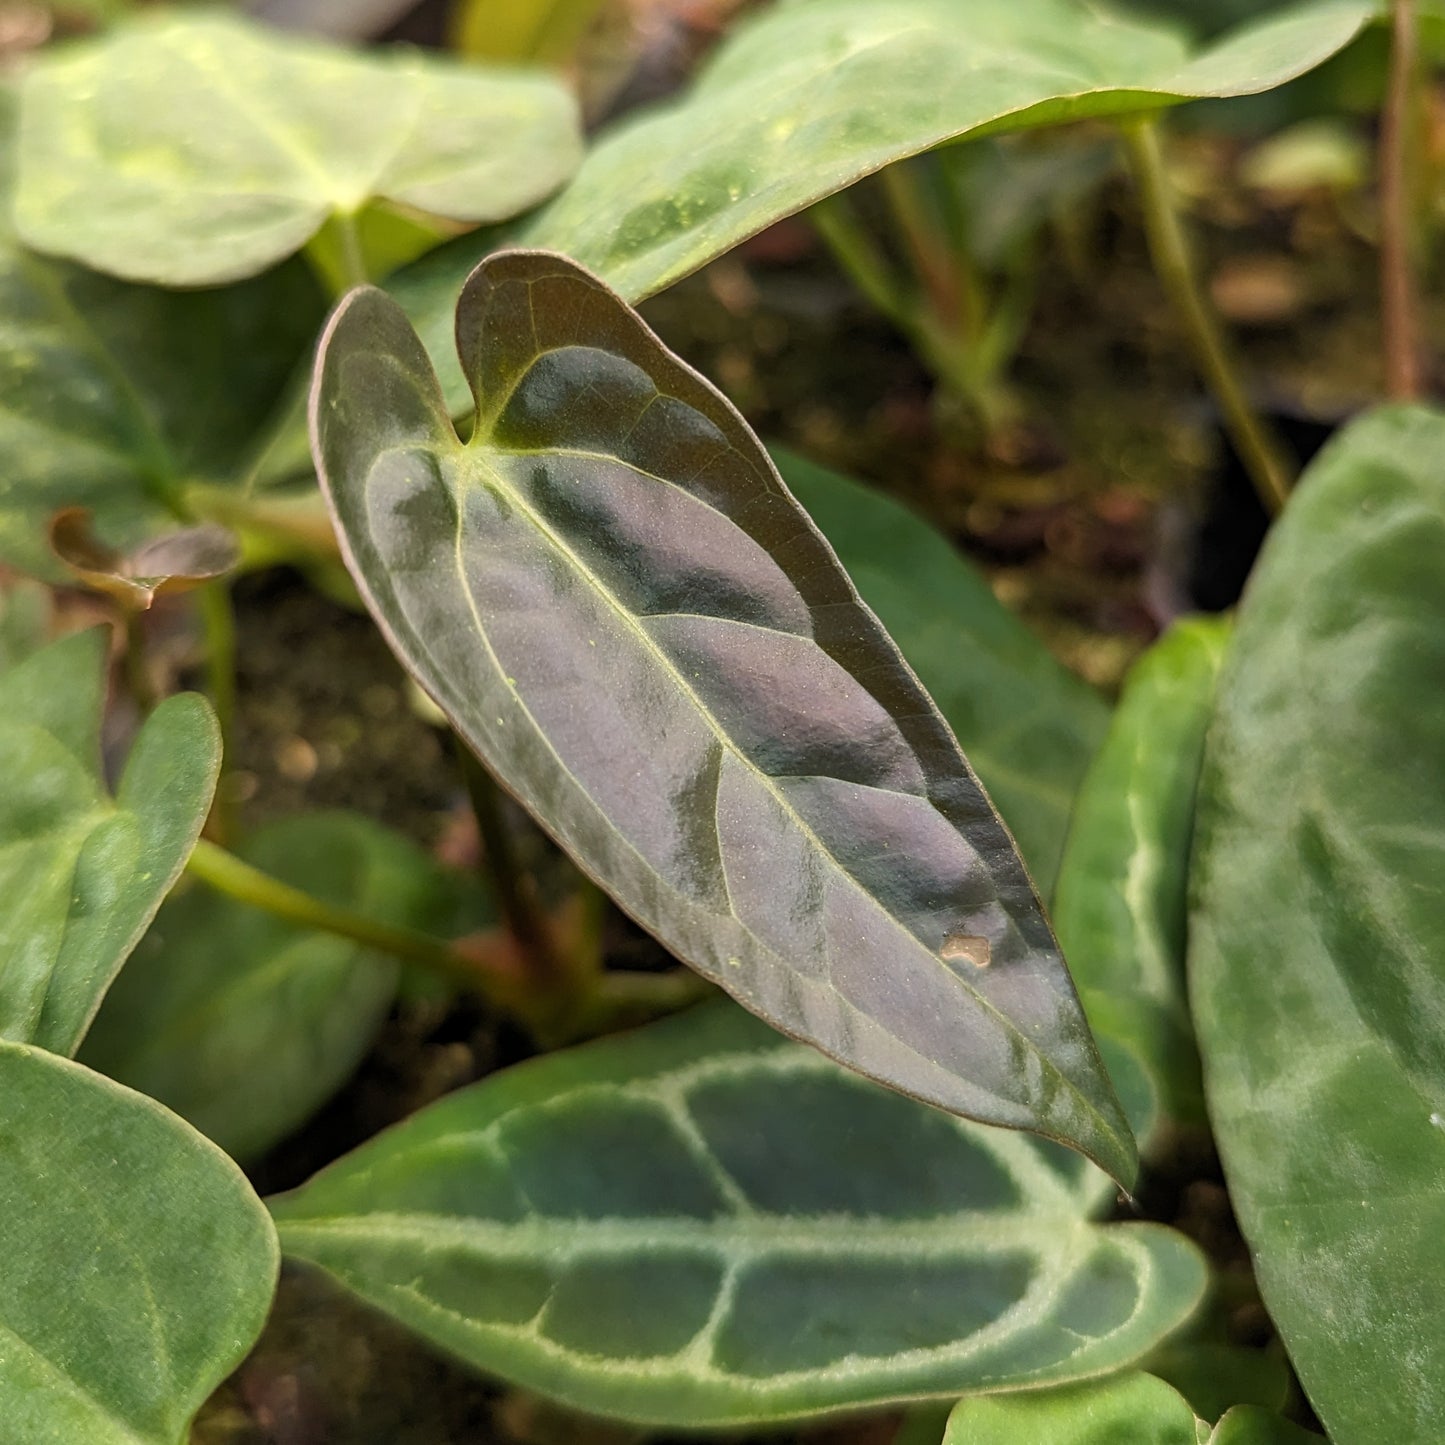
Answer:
(137, 674)
(1262, 455)
(218, 619)
(513, 888)
(237, 879)
(1398, 291)
(864, 264)
(607, 1000)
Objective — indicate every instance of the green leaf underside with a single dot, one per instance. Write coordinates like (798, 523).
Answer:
(613, 596)
(1121, 902)
(115, 397)
(198, 150)
(82, 873)
(245, 1024)
(1127, 1409)
(1028, 726)
(705, 1224)
(809, 97)
(138, 1265)
(1318, 927)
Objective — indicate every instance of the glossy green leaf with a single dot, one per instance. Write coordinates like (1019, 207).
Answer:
(244, 1024)
(1132, 1407)
(117, 397)
(809, 97)
(1125, 1409)
(82, 873)
(1252, 1425)
(627, 616)
(1318, 927)
(138, 1265)
(705, 1224)
(1214, 1376)
(195, 150)
(1121, 902)
(1029, 727)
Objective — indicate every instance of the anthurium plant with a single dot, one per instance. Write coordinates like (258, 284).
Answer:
(954, 959)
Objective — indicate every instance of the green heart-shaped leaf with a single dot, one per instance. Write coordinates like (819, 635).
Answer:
(117, 398)
(811, 96)
(1121, 901)
(612, 595)
(245, 1024)
(83, 873)
(1028, 725)
(1134, 1408)
(195, 150)
(1318, 928)
(138, 1265)
(702, 1224)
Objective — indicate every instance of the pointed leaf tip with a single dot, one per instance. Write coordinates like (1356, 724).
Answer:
(622, 609)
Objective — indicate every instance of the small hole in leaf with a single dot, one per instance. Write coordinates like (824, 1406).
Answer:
(966, 948)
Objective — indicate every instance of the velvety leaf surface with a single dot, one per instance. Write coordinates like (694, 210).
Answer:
(82, 873)
(138, 1265)
(702, 1223)
(117, 397)
(1121, 903)
(622, 609)
(1028, 725)
(1125, 1409)
(244, 1024)
(1318, 929)
(811, 96)
(195, 150)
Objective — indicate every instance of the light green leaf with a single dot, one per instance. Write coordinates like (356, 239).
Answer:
(1029, 727)
(1133, 1408)
(82, 873)
(635, 626)
(809, 97)
(1121, 901)
(703, 1224)
(1125, 1409)
(195, 150)
(244, 1024)
(1318, 927)
(117, 397)
(1251, 1425)
(138, 1265)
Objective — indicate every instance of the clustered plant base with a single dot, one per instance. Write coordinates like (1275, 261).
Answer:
(977, 951)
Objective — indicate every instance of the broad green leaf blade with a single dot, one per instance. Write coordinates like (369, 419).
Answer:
(809, 97)
(244, 1024)
(1133, 1408)
(1251, 1425)
(702, 1224)
(1028, 726)
(82, 873)
(117, 397)
(627, 616)
(1318, 926)
(138, 1265)
(1125, 1409)
(251, 142)
(1121, 902)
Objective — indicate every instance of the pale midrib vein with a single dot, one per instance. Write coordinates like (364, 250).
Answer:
(665, 663)
(960, 1235)
(68, 1384)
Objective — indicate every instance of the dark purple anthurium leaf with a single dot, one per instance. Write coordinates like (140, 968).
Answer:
(625, 613)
